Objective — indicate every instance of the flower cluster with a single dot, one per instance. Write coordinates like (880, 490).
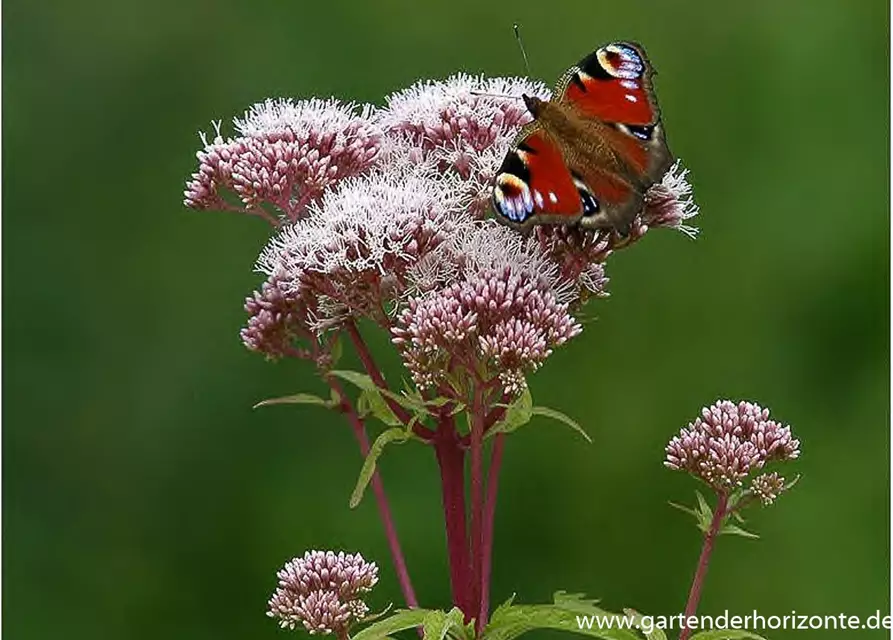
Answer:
(278, 318)
(384, 218)
(728, 442)
(352, 252)
(767, 487)
(499, 313)
(323, 591)
(287, 155)
(462, 126)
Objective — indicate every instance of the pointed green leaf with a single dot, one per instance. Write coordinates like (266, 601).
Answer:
(372, 617)
(416, 405)
(790, 484)
(560, 417)
(517, 414)
(356, 378)
(735, 530)
(705, 517)
(460, 407)
(570, 612)
(437, 624)
(402, 619)
(726, 634)
(578, 602)
(505, 605)
(374, 403)
(298, 398)
(704, 506)
(396, 434)
(688, 510)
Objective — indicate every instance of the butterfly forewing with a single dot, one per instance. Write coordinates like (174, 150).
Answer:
(534, 182)
(613, 84)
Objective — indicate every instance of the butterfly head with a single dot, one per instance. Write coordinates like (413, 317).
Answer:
(534, 105)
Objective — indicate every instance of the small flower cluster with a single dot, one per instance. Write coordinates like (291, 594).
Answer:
(353, 250)
(287, 155)
(499, 313)
(381, 214)
(462, 126)
(728, 442)
(323, 591)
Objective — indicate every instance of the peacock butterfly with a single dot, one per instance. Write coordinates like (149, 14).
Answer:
(591, 152)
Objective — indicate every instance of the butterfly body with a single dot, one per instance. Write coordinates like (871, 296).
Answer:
(591, 152)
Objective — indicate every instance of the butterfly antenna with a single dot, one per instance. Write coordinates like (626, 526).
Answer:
(517, 29)
(526, 66)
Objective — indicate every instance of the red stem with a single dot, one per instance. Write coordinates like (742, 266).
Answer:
(384, 509)
(477, 498)
(451, 459)
(694, 596)
(489, 519)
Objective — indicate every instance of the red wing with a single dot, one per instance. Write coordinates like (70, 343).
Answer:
(613, 84)
(534, 184)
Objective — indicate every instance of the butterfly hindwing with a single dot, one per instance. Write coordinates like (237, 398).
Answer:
(534, 184)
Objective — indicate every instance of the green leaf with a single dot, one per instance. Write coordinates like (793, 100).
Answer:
(575, 601)
(505, 605)
(402, 619)
(373, 402)
(371, 617)
(416, 405)
(735, 530)
(687, 510)
(638, 619)
(566, 614)
(705, 517)
(397, 434)
(520, 412)
(356, 378)
(517, 414)
(790, 484)
(726, 634)
(460, 407)
(298, 398)
(412, 402)
(704, 506)
(437, 624)
(560, 417)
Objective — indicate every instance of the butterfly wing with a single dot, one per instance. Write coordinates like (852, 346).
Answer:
(611, 92)
(534, 185)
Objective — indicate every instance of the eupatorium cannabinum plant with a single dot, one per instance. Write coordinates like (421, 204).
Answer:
(379, 220)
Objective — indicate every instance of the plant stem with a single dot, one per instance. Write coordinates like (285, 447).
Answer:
(477, 418)
(489, 519)
(384, 509)
(377, 377)
(694, 595)
(451, 460)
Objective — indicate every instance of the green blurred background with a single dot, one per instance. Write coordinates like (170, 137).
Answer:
(142, 496)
